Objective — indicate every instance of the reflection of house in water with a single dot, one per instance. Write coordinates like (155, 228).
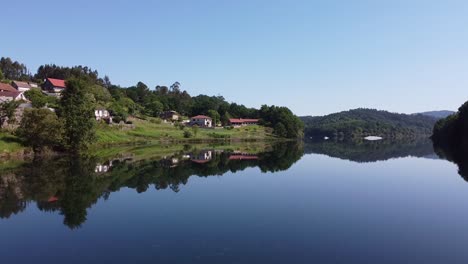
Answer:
(203, 156)
(52, 199)
(106, 166)
(243, 156)
(103, 167)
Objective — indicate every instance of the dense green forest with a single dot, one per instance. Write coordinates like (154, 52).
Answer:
(453, 130)
(362, 122)
(450, 138)
(138, 100)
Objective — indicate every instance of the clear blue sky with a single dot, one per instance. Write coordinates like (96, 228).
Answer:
(315, 57)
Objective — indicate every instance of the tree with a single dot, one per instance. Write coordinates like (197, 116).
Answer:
(37, 98)
(154, 108)
(280, 130)
(214, 115)
(7, 110)
(40, 128)
(1, 75)
(195, 130)
(13, 70)
(77, 111)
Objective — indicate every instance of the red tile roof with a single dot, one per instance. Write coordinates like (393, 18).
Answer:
(7, 87)
(57, 82)
(52, 199)
(201, 117)
(240, 120)
(12, 94)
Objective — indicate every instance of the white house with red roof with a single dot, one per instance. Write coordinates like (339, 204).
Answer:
(54, 85)
(201, 121)
(8, 93)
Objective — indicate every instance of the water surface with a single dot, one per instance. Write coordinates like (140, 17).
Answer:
(368, 202)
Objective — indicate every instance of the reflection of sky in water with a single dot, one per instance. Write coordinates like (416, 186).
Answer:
(322, 209)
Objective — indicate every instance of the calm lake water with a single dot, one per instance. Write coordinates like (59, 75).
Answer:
(371, 202)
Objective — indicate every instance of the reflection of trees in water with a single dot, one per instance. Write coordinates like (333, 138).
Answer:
(455, 153)
(371, 151)
(71, 185)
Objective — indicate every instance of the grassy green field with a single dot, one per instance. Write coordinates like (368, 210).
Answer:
(147, 131)
(9, 144)
(153, 132)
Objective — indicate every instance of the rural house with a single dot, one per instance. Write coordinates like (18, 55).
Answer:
(242, 122)
(201, 121)
(21, 86)
(170, 115)
(6, 96)
(54, 85)
(4, 87)
(202, 157)
(102, 114)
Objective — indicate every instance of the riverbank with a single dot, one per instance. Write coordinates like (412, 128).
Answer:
(152, 131)
(149, 132)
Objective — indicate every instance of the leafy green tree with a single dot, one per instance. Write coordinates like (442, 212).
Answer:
(195, 130)
(154, 108)
(37, 98)
(77, 111)
(187, 134)
(1, 75)
(225, 118)
(215, 116)
(40, 128)
(13, 70)
(100, 93)
(7, 110)
(280, 130)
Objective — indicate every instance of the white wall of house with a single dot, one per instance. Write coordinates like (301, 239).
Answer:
(203, 122)
(23, 89)
(101, 113)
(58, 90)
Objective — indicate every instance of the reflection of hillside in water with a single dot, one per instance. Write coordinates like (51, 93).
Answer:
(457, 154)
(371, 151)
(72, 185)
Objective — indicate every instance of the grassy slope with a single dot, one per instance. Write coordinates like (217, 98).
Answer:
(150, 132)
(9, 143)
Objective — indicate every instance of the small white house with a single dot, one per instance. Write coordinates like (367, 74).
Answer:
(201, 121)
(102, 114)
(170, 115)
(21, 86)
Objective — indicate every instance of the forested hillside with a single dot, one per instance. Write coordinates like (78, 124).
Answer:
(453, 130)
(362, 122)
(437, 114)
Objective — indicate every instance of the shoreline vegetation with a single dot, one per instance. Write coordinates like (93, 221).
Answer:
(73, 110)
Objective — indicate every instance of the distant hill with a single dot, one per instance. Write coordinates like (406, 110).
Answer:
(437, 114)
(363, 122)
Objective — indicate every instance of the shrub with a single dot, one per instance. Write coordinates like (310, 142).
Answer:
(187, 134)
